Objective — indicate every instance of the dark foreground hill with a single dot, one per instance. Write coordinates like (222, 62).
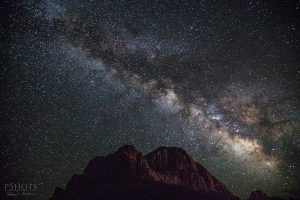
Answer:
(168, 173)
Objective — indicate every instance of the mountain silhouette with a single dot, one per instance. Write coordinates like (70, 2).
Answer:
(167, 173)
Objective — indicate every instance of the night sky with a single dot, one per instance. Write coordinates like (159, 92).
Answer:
(219, 79)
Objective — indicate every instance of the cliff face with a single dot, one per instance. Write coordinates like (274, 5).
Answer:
(166, 173)
(174, 166)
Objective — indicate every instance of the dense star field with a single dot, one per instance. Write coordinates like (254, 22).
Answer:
(219, 79)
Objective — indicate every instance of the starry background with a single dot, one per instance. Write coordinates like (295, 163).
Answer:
(219, 79)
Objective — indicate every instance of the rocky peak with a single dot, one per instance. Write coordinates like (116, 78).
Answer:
(170, 159)
(165, 173)
(174, 166)
(130, 152)
(258, 195)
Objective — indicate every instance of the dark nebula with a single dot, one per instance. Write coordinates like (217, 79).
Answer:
(219, 79)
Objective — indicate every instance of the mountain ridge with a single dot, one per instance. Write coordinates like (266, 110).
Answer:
(165, 173)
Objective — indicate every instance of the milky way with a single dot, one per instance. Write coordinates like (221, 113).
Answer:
(220, 80)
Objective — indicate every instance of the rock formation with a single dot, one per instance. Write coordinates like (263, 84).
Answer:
(166, 173)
